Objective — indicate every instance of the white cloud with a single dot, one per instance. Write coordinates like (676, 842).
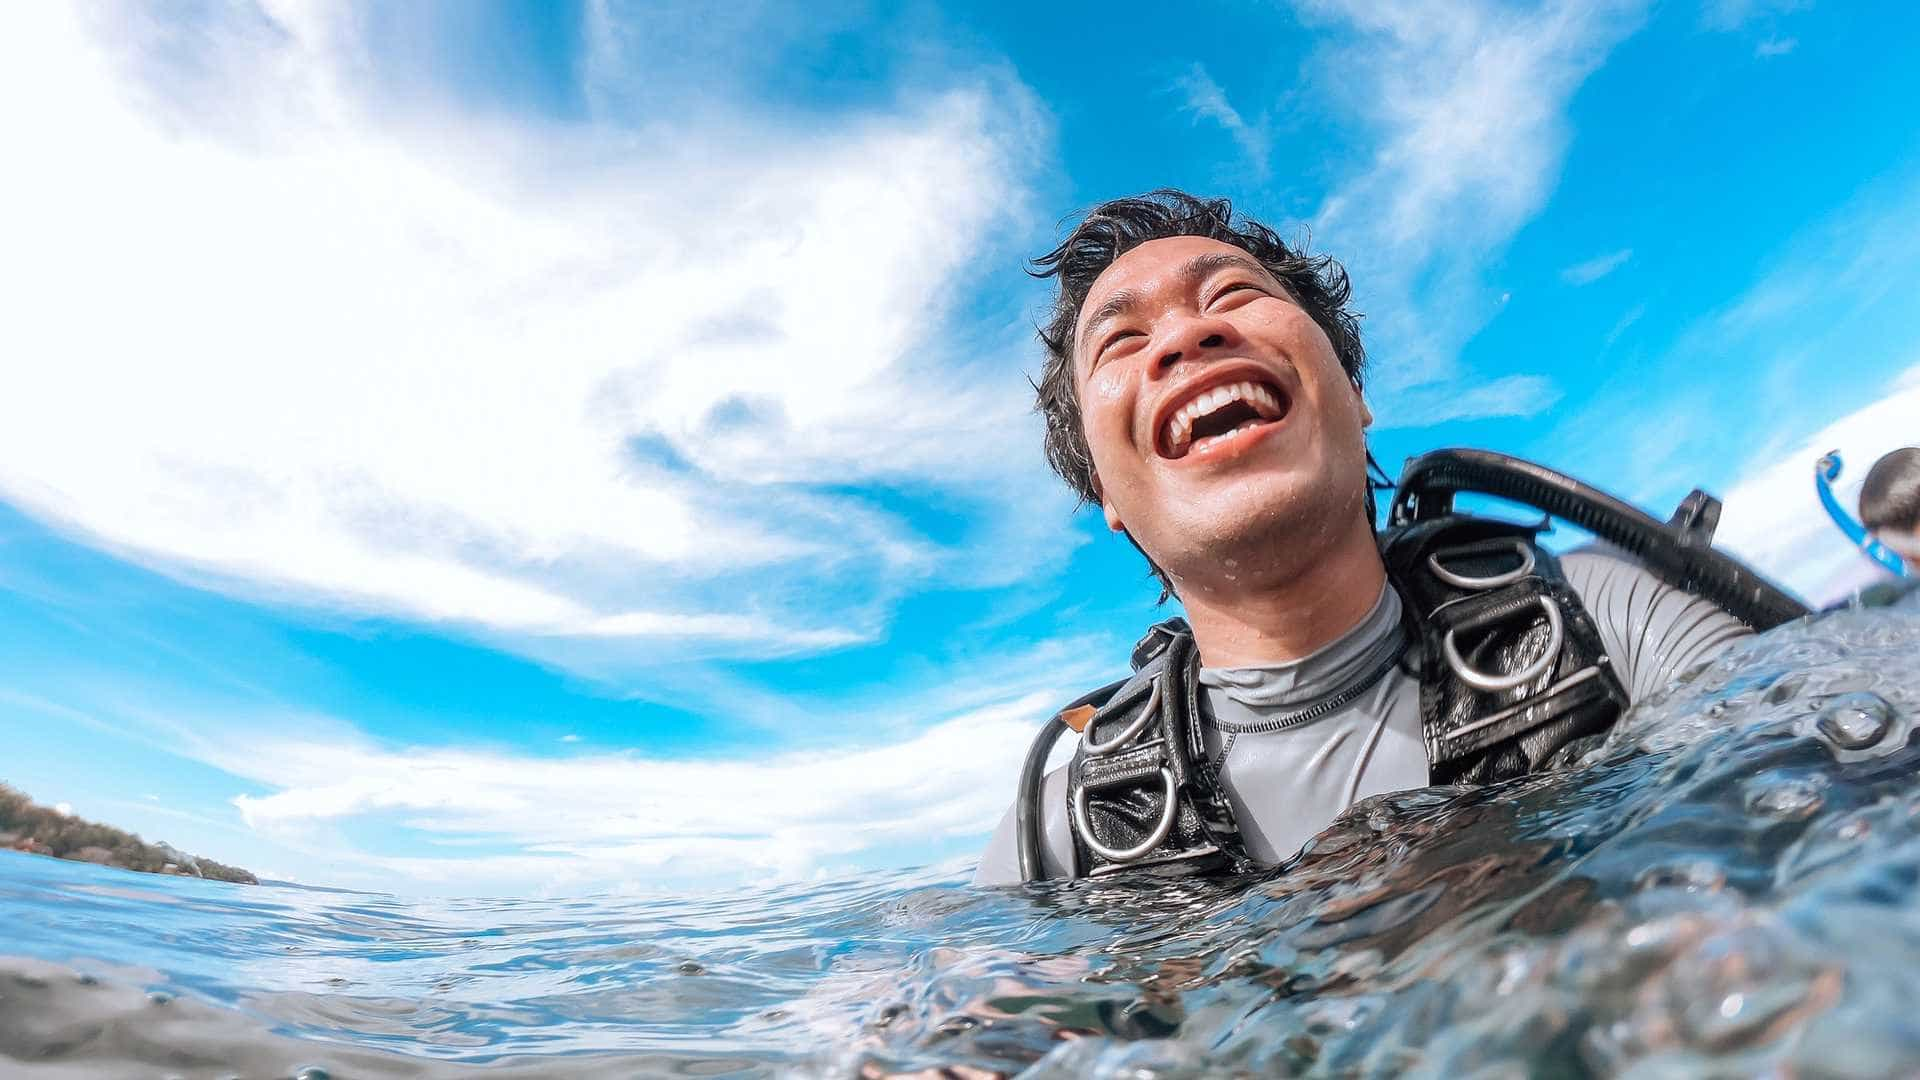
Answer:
(1774, 519)
(1203, 97)
(1468, 103)
(604, 819)
(913, 772)
(550, 382)
(1592, 270)
(1775, 46)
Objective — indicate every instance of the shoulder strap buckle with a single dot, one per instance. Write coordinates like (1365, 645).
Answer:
(1156, 641)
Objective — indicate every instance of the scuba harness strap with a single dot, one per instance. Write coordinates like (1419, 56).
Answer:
(1512, 666)
(1140, 795)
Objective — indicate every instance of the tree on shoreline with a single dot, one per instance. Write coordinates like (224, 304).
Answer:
(27, 826)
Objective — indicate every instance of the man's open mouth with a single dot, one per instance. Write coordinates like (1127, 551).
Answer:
(1219, 413)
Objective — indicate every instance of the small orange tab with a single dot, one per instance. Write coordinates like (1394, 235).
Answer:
(1077, 718)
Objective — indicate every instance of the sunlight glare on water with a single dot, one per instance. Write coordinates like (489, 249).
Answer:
(1730, 885)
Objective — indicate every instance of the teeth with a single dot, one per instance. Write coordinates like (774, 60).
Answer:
(1180, 426)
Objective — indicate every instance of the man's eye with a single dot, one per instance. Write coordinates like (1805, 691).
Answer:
(1237, 290)
(1121, 342)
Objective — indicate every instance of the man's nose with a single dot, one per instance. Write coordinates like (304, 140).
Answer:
(1189, 340)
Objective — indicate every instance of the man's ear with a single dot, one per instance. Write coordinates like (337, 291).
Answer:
(1366, 414)
(1106, 508)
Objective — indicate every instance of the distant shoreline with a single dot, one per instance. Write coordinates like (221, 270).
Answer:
(44, 830)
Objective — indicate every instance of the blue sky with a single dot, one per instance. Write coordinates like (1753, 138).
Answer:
(453, 448)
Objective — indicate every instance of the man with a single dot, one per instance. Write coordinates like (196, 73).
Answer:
(1890, 504)
(1202, 385)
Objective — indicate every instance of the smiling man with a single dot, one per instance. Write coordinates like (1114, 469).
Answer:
(1202, 386)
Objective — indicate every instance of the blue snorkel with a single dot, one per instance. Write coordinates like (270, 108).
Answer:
(1825, 472)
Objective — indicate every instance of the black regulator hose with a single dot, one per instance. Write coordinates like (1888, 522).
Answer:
(1028, 817)
(1682, 557)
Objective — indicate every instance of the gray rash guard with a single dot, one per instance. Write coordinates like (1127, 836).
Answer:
(1285, 786)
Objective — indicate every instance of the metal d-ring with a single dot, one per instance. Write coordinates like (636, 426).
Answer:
(1480, 584)
(1139, 724)
(1480, 680)
(1122, 855)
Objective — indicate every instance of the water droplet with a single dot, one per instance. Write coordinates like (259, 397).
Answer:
(310, 1072)
(691, 967)
(1694, 877)
(957, 1024)
(1517, 968)
(1855, 721)
(159, 997)
(1785, 690)
(1787, 798)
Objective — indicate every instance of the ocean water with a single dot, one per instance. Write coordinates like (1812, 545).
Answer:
(1731, 886)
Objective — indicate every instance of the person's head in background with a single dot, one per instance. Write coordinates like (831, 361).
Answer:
(1890, 503)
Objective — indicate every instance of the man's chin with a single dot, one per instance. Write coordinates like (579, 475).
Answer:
(1250, 498)
(1259, 519)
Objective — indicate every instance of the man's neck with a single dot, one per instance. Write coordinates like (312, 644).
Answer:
(1275, 623)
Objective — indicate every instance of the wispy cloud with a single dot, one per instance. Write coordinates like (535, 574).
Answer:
(1202, 97)
(1592, 270)
(916, 770)
(1775, 46)
(555, 383)
(610, 816)
(1622, 325)
(467, 820)
(1468, 102)
(1512, 395)
(1733, 14)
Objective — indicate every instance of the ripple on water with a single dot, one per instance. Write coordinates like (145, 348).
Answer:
(1730, 886)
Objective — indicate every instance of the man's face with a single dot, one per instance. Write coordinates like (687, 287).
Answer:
(1221, 424)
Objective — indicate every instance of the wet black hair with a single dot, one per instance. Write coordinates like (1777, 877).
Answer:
(1317, 283)
(1890, 497)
